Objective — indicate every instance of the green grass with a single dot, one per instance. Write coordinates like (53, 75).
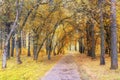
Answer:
(28, 70)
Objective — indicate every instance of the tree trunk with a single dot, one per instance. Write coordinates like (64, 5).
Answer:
(7, 29)
(70, 46)
(49, 54)
(13, 46)
(35, 45)
(119, 46)
(1, 39)
(102, 55)
(114, 55)
(93, 41)
(18, 49)
(75, 45)
(60, 49)
(54, 52)
(35, 51)
(54, 49)
(81, 46)
(49, 48)
(88, 35)
(108, 34)
(4, 57)
(8, 53)
(29, 45)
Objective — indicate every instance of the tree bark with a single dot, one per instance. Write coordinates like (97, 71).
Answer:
(93, 41)
(119, 46)
(102, 55)
(81, 45)
(114, 55)
(49, 48)
(54, 49)
(29, 45)
(18, 49)
(35, 45)
(108, 34)
(88, 35)
(13, 46)
(75, 45)
(7, 30)
(8, 52)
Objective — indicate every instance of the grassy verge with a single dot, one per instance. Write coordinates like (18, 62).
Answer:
(28, 70)
(92, 70)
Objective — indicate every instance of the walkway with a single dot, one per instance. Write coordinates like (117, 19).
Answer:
(65, 69)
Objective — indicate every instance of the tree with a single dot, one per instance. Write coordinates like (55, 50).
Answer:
(15, 25)
(18, 48)
(81, 45)
(102, 58)
(114, 55)
(7, 30)
(13, 45)
(29, 47)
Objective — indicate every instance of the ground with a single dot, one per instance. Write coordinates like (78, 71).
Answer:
(81, 67)
(28, 70)
(65, 69)
(92, 70)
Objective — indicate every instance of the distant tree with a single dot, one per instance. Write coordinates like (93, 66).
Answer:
(13, 45)
(81, 45)
(7, 30)
(29, 46)
(91, 39)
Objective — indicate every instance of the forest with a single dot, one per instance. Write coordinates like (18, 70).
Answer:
(36, 35)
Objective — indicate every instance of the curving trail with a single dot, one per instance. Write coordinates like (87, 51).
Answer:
(65, 69)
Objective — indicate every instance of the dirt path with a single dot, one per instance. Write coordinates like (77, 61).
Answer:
(65, 69)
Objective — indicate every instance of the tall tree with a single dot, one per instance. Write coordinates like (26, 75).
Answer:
(90, 39)
(15, 25)
(102, 58)
(114, 55)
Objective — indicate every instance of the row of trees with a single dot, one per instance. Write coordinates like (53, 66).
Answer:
(102, 13)
(40, 22)
(53, 24)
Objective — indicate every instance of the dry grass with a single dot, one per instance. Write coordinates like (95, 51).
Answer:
(92, 70)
